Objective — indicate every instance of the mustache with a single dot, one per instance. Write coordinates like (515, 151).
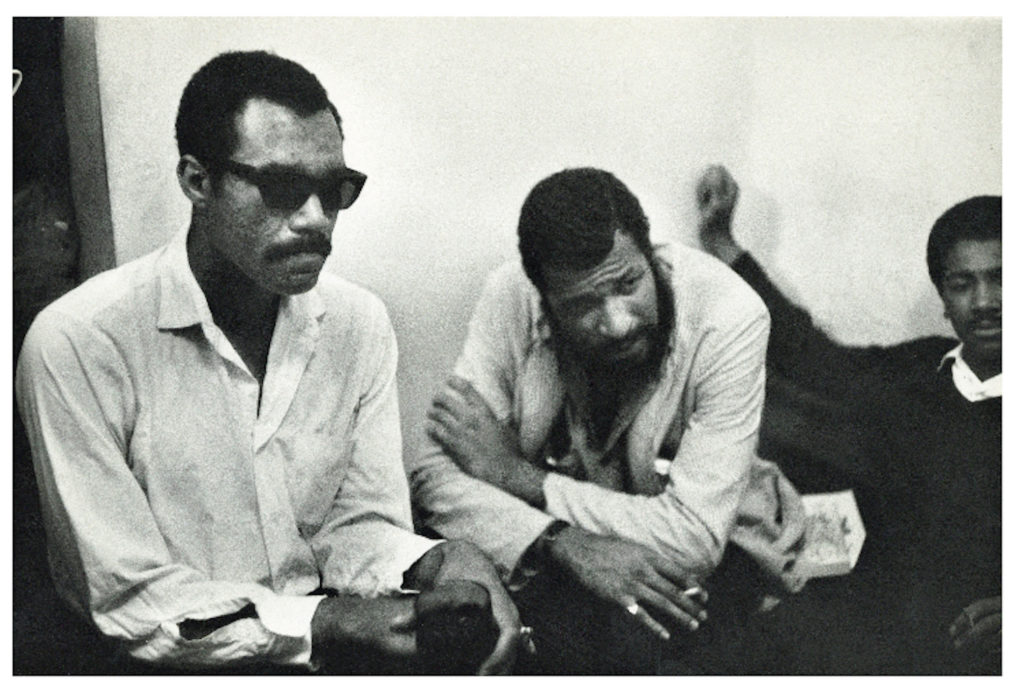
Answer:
(986, 319)
(304, 244)
(648, 332)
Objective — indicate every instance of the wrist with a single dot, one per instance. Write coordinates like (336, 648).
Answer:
(728, 252)
(547, 544)
(324, 631)
(525, 481)
(422, 573)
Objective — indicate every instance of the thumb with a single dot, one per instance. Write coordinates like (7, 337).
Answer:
(404, 620)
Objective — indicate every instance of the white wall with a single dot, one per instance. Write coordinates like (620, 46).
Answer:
(848, 138)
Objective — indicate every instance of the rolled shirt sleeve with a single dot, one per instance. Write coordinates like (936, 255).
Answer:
(451, 502)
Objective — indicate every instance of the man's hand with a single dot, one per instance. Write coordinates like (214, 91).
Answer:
(384, 625)
(717, 193)
(630, 575)
(464, 426)
(979, 627)
(456, 560)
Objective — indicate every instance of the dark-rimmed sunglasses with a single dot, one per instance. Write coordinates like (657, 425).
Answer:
(286, 189)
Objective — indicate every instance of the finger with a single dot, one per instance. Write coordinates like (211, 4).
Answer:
(506, 616)
(653, 625)
(469, 394)
(501, 660)
(681, 579)
(444, 418)
(960, 625)
(449, 400)
(982, 633)
(688, 604)
(404, 620)
(439, 435)
(460, 385)
(695, 591)
(656, 600)
(985, 606)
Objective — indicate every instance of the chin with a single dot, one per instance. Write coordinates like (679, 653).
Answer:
(297, 285)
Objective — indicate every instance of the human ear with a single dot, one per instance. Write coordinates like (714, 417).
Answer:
(195, 181)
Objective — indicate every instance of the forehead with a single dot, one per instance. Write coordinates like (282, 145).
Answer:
(565, 284)
(269, 133)
(974, 257)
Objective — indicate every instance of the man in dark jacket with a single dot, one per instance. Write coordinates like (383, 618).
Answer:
(917, 430)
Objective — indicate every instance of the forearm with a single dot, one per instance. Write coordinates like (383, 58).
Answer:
(458, 506)
(661, 523)
(797, 348)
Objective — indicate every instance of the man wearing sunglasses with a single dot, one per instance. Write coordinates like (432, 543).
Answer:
(214, 426)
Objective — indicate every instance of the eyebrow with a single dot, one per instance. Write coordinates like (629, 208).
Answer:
(275, 169)
(628, 270)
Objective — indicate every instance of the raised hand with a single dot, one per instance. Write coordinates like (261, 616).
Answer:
(717, 194)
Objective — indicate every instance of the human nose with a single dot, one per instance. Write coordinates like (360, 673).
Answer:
(312, 217)
(987, 294)
(617, 319)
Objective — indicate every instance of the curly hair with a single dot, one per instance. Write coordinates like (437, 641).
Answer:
(219, 90)
(569, 219)
(975, 219)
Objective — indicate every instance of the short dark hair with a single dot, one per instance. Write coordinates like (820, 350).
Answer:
(218, 91)
(569, 221)
(975, 219)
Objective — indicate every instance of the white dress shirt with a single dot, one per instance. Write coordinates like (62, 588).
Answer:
(170, 491)
(965, 380)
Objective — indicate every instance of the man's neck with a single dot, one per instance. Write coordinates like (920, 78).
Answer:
(235, 301)
(245, 312)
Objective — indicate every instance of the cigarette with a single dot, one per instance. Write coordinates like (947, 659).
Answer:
(690, 592)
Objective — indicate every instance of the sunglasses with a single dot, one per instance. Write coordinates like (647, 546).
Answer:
(288, 190)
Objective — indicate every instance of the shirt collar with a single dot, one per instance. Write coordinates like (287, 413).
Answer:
(969, 385)
(183, 304)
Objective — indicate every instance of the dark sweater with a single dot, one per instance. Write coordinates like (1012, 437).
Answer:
(924, 461)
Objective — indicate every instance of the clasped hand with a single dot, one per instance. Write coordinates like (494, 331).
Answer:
(386, 625)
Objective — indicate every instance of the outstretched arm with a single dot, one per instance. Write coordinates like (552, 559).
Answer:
(797, 348)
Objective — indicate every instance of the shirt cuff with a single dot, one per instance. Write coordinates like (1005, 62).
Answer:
(408, 553)
(291, 616)
(555, 489)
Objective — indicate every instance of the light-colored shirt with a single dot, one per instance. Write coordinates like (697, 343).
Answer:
(965, 380)
(706, 405)
(172, 490)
